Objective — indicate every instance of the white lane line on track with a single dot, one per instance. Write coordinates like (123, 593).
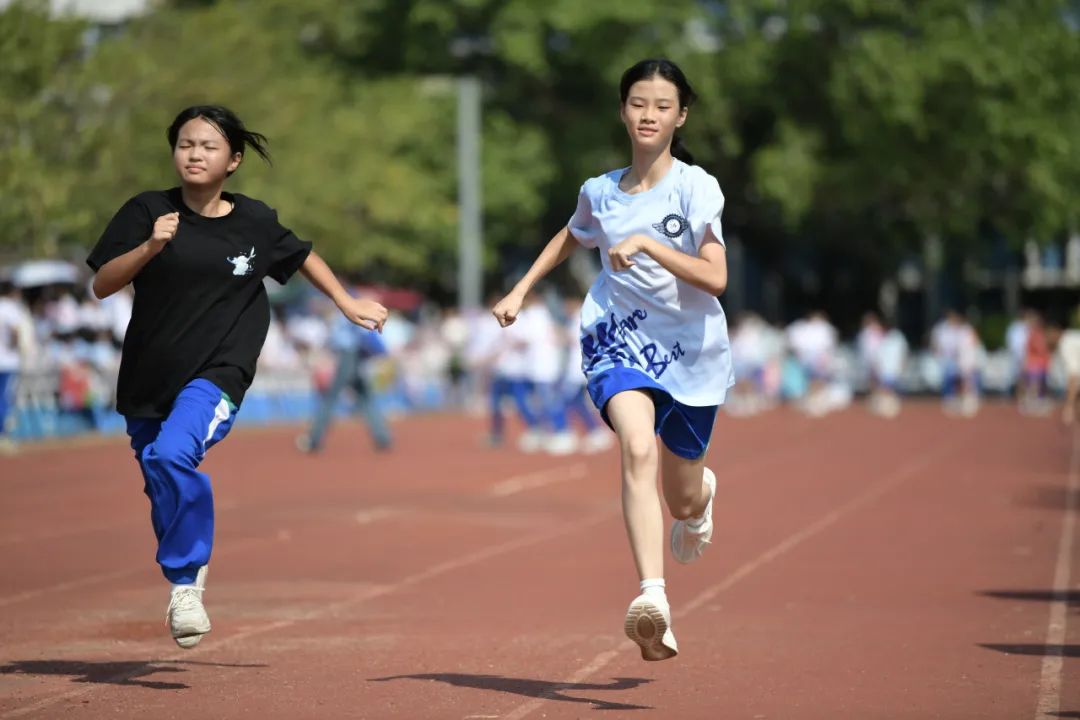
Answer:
(540, 478)
(1049, 698)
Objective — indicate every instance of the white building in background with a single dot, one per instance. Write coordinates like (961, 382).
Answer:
(105, 12)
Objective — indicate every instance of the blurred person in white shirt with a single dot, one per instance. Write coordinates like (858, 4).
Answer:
(1067, 348)
(867, 343)
(454, 331)
(482, 344)
(91, 316)
(959, 350)
(813, 341)
(117, 310)
(16, 343)
(62, 310)
(308, 329)
(574, 401)
(544, 369)
(510, 379)
(1016, 338)
(884, 349)
(278, 353)
(750, 350)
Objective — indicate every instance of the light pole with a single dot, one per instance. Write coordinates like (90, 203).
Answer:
(470, 224)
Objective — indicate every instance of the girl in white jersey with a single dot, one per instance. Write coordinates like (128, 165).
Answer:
(653, 335)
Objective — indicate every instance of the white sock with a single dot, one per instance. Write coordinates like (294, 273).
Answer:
(653, 587)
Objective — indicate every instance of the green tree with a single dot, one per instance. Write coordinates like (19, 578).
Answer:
(861, 128)
(844, 132)
(39, 166)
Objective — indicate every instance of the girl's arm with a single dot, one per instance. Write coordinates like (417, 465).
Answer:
(707, 271)
(122, 269)
(554, 253)
(365, 313)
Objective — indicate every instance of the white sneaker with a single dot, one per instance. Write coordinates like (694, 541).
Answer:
(531, 441)
(562, 443)
(186, 615)
(648, 623)
(688, 541)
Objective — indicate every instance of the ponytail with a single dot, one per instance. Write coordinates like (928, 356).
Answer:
(679, 151)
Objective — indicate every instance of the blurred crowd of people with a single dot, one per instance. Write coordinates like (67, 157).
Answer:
(60, 343)
(806, 364)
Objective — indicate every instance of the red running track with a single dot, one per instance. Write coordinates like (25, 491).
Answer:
(862, 568)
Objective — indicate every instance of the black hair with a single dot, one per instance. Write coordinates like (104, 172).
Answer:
(648, 69)
(227, 122)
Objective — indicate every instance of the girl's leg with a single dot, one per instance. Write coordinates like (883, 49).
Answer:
(182, 505)
(181, 500)
(648, 619)
(688, 485)
(632, 415)
(685, 489)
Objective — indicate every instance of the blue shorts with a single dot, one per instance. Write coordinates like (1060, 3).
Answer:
(684, 429)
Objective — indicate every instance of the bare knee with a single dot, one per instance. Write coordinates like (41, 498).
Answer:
(639, 452)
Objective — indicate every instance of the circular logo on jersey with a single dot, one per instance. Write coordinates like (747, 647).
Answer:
(673, 225)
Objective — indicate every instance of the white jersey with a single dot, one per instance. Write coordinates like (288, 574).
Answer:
(644, 317)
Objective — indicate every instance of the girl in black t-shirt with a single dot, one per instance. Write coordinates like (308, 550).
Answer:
(196, 256)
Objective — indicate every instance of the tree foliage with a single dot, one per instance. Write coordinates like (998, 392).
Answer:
(838, 128)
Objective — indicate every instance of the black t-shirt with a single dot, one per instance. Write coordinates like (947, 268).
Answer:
(200, 310)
